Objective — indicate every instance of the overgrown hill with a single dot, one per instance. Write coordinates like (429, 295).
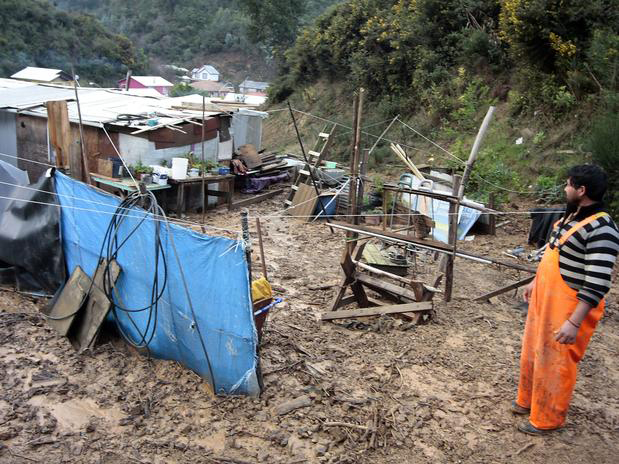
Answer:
(35, 33)
(233, 35)
(550, 67)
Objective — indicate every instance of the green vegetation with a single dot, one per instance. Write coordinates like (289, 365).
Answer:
(35, 34)
(550, 66)
(185, 32)
(174, 31)
(604, 144)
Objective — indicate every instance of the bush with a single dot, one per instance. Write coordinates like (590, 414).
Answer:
(604, 145)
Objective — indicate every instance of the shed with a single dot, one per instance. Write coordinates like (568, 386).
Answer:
(47, 75)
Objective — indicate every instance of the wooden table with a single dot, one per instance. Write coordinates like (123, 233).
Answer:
(180, 184)
(125, 185)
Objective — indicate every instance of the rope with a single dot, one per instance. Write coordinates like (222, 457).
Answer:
(153, 218)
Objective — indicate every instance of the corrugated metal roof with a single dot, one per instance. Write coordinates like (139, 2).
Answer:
(14, 83)
(254, 84)
(33, 95)
(152, 81)
(210, 69)
(100, 106)
(32, 73)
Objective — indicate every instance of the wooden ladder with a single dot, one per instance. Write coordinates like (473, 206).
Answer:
(314, 158)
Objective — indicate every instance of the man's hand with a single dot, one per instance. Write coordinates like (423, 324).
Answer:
(567, 334)
(528, 291)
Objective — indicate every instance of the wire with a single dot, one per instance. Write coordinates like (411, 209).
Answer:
(363, 132)
(154, 218)
(26, 159)
(433, 143)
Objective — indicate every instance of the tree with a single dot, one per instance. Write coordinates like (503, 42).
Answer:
(274, 23)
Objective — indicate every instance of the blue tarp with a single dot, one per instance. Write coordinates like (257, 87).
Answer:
(216, 273)
(438, 211)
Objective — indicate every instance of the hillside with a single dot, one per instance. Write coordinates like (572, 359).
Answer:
(550, 67)
(34, 33)
(189, 33)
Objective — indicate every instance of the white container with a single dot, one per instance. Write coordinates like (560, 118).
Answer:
(179, 168)
(162, 179)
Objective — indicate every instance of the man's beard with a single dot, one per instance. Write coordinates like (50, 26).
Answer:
(571, 206)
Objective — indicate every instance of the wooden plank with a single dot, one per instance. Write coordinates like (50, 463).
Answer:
(303, 203)
(256, 198)
(348, 278)
(378, 310)
(350, 270)
(378, 284)
(371, 230)
(59, 131)
(507, 288)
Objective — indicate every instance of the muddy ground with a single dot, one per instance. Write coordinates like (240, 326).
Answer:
(436, 393)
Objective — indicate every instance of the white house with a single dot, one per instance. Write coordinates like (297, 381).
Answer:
(205, 73)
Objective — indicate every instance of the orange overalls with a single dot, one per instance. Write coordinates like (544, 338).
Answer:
(548, 368)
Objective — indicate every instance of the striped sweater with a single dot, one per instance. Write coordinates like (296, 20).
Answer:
(586, 259)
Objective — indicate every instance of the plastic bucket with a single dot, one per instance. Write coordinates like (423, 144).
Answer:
(179, 168)
(327, 205)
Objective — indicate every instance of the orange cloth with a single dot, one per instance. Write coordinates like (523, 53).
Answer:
(548, 368)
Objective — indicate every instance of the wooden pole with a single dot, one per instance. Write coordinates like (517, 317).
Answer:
(246, 239)
(453, 240)
(473, 156)
(354, 186)
(86, 169)
(203, 163)
(264, 264)
(127, 78)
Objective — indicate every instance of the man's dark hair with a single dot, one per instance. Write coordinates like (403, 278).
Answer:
(590, 176)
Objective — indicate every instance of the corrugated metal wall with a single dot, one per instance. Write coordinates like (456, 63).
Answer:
(8, 137)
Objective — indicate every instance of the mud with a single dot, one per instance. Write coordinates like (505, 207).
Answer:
(373, 390)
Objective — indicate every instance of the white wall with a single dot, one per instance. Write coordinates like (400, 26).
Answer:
(136, 149)
(246, 127)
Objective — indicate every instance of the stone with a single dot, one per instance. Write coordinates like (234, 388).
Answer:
(291, 405)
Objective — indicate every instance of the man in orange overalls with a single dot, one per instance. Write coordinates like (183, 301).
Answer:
(566, 301)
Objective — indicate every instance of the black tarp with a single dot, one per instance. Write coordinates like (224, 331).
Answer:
(31, 256)
(541, 226)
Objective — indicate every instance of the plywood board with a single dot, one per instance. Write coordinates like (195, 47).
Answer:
(303, 203)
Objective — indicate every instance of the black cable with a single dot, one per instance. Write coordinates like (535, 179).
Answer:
(111, 247)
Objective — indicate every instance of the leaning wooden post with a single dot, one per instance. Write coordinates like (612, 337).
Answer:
(454, 209)
(473, 156)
